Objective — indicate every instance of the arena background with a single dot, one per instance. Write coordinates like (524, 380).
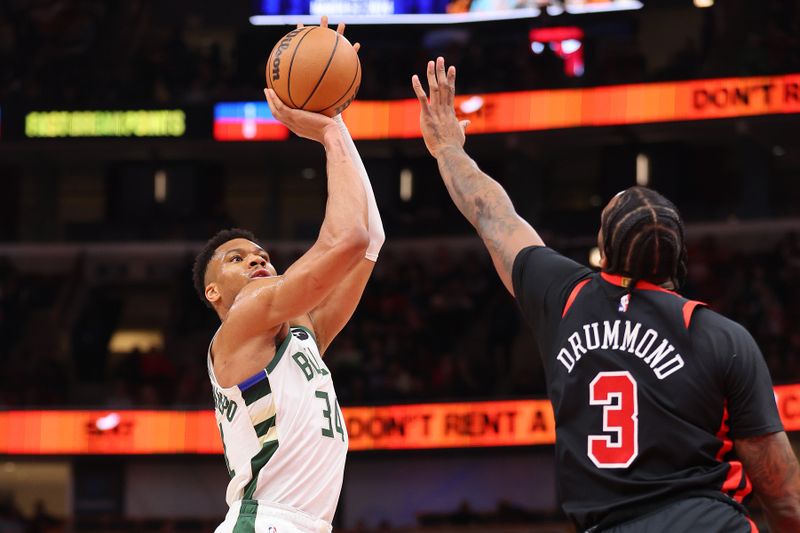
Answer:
(130, 132)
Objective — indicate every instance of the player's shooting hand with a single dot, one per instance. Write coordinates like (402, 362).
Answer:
(323, 23)
(302, 123)
(441, 128)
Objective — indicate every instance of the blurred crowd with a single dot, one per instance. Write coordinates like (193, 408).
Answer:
(91, 52)
(433, 324)
(507, 517)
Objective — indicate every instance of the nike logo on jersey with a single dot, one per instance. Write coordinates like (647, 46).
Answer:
(630, 337)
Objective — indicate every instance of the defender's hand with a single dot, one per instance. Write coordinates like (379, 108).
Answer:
(441, 128)
(302, 123)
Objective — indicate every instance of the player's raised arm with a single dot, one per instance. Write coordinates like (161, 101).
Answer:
(330, 316)
(341, 244)
(479, 198)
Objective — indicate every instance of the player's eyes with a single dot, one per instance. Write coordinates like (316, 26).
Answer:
(236, 258)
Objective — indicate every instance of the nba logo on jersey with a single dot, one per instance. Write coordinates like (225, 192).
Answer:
(272, 529)
(623, 303)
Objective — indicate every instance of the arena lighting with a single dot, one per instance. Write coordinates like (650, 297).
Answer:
(642, 170)
(390, 427)
(160, 186)
(406, 184)
(703, 3)
(128, 340)
(594, 257)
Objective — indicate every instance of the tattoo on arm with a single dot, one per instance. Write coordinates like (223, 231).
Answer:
(482, 201)
(770, 464)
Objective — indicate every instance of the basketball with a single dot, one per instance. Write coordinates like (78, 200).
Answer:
(315, 69)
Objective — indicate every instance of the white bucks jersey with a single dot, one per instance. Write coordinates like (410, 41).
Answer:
(282, 430)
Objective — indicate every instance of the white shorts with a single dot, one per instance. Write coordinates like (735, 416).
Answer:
(250, 516)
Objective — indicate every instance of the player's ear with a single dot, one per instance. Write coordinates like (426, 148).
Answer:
(212, 293)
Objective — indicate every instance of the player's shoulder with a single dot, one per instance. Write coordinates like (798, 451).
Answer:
(711, 325)
(541, 261)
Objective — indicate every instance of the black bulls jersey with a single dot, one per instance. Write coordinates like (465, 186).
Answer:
(648, 389)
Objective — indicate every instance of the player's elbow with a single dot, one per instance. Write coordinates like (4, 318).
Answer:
(352, 243)
(784, 509)
(355, 241)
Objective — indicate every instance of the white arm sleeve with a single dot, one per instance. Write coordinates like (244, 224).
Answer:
(376, 235)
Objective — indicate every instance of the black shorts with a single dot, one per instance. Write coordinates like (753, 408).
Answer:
(692, 515)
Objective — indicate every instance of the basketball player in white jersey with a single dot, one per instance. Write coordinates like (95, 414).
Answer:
(282, 429)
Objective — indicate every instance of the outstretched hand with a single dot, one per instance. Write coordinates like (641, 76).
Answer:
(440, 126)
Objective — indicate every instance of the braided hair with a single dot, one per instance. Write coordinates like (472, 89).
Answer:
(643, 238)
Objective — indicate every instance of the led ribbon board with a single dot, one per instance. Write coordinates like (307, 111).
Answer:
(247, 121)
(646, 103)
(394, 427)
(107, 123)
(601, 106)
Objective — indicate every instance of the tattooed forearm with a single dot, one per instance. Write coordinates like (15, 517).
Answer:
(479, 198)
(772, 466)
(487, 207)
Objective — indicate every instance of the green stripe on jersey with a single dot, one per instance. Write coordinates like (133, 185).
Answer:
(263, 427)
(246, 521)
(285, 344)
(257, 391)
(256, 464)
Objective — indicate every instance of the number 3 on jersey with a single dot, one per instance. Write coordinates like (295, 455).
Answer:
(616, 392)
(326, 413)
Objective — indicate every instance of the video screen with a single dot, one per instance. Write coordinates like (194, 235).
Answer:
(277, 12)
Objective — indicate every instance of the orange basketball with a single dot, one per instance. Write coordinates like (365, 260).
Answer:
(315, 69)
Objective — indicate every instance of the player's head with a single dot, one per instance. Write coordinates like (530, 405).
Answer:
(229, 260)
(641, 237)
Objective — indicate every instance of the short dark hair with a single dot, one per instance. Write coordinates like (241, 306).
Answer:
(205, 255)
(643, 238)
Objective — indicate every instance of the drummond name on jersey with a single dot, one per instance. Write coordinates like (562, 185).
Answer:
(629, 338)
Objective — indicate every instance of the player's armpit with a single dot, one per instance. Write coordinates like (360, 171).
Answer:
(770, 463)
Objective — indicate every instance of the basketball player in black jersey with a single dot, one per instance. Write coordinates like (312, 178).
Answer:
(666, 419)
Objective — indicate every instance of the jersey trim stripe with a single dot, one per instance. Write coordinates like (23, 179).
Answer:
(263, 427)
(254, 388)
(688, 311)
(574, 294)
(276, 359)
(256, 464)
(246, 521)
(736, 485)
